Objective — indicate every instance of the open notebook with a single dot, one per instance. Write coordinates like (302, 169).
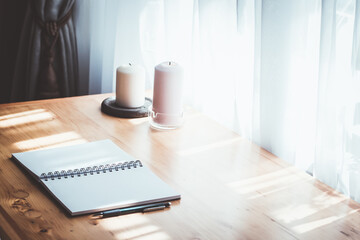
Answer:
(94, 177)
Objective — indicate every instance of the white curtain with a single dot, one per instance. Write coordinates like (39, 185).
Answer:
(284, 74)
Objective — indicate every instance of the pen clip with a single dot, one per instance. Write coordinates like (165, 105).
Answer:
(153, 209)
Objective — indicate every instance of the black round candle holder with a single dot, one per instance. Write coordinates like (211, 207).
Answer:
(110, 107)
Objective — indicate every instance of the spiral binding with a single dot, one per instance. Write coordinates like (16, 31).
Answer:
(90, 170)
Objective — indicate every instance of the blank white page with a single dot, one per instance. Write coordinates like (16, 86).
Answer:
(116, 189)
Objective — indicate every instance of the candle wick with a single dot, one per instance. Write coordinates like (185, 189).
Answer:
(130, 64)
(169, 63)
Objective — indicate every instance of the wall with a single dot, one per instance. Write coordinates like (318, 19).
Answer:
(12, 14)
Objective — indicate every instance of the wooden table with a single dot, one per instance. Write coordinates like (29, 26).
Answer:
(231, 188)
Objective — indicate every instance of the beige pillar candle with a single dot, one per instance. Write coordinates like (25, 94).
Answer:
(130, 86)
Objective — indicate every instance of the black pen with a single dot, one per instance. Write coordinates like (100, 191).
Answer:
(136, 209)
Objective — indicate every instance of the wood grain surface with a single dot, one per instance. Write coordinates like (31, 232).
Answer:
(230, 187)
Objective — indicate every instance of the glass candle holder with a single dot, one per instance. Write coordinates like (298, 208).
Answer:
(165, 121)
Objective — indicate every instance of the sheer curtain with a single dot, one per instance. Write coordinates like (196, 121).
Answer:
(284, 74)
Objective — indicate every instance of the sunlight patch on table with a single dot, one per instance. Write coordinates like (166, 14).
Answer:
(138, 121)
(295, 212)
(55, 140)
(266, 193)
(303, 228)
(207, 147)
(309, 226)
(21, 114)
(144, 232)
(136, 226)
(277, 179)
(300, 211)
(32, 116)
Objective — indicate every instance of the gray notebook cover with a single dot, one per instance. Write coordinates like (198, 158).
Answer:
(129, 183)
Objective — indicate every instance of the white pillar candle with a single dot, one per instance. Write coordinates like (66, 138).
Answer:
(167, 106)
(130, 86)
